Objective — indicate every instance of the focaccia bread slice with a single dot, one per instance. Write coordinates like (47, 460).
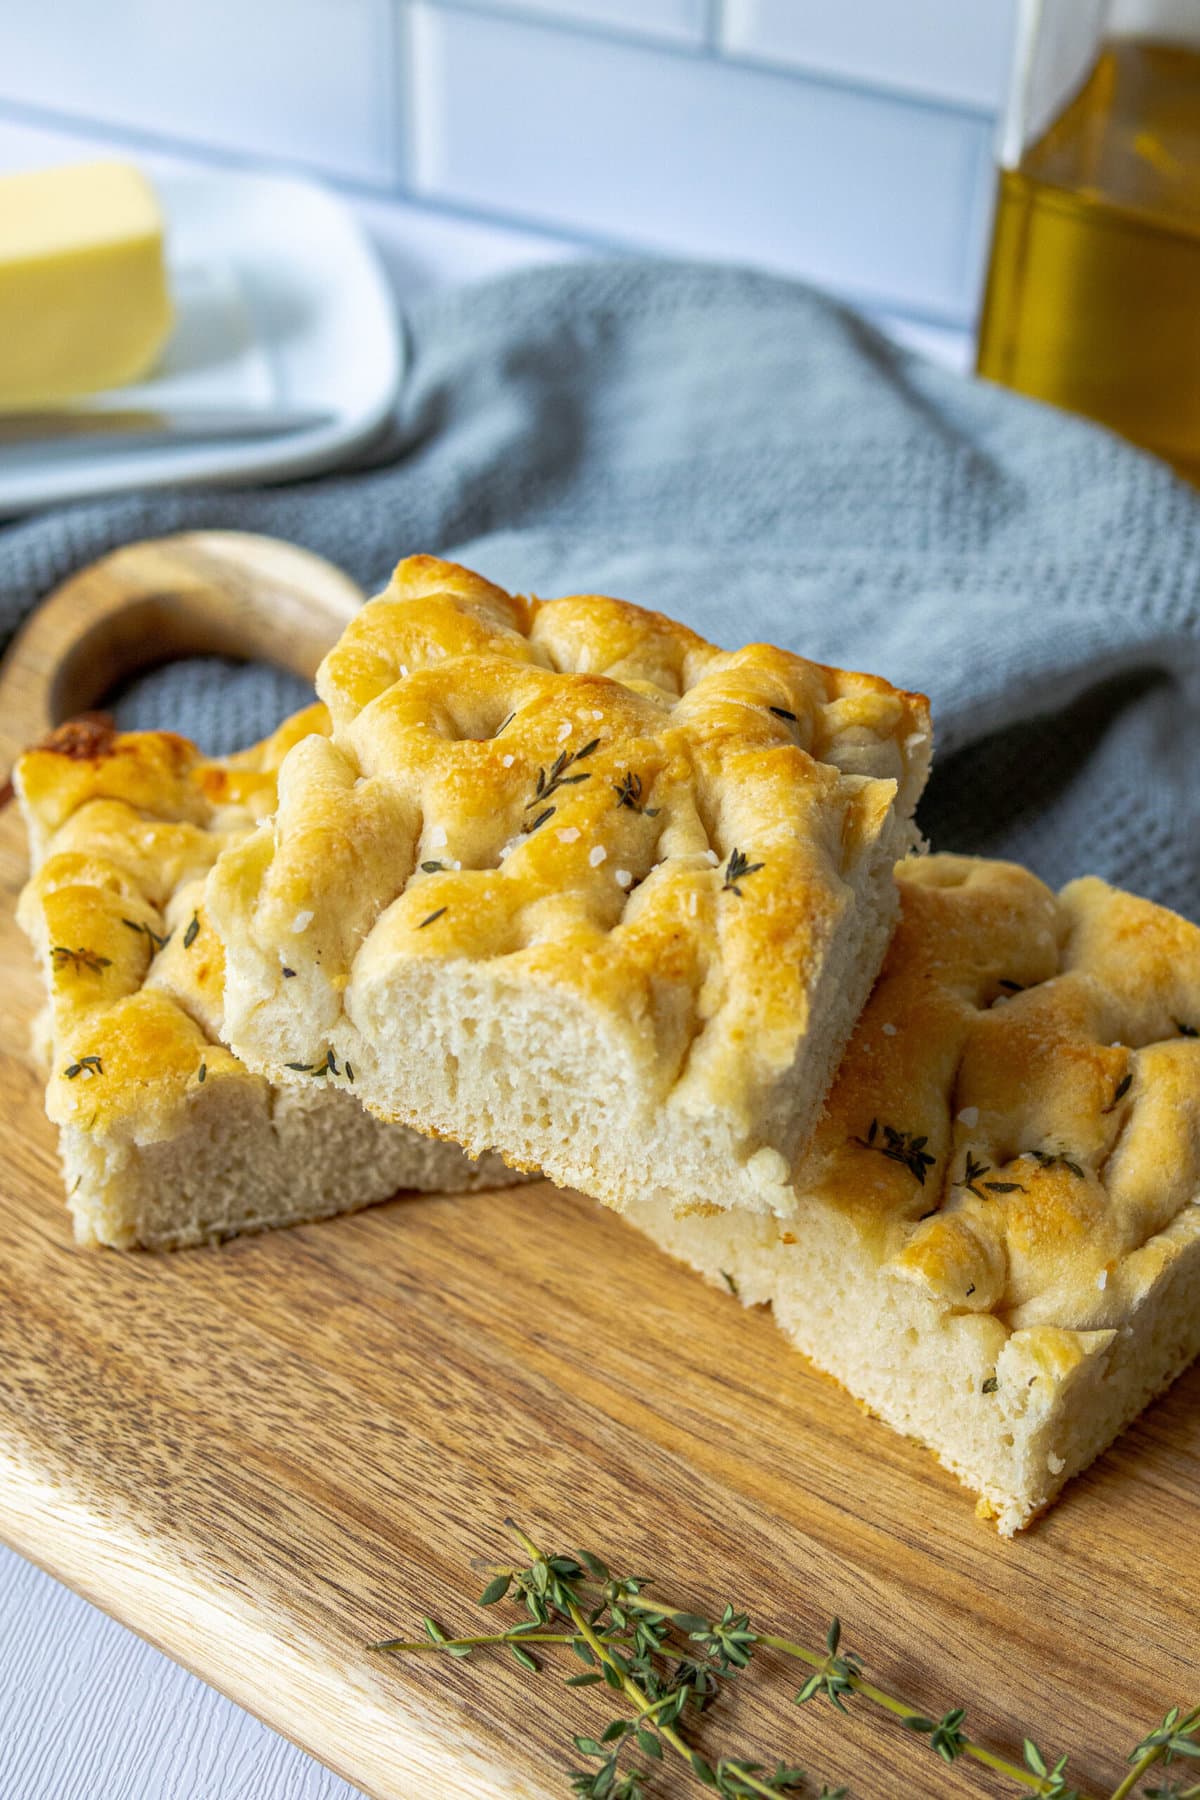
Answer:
(166, 1139)
(570, 881)
(998, 1241)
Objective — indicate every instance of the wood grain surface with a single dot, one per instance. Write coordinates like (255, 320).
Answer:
(264, 1456)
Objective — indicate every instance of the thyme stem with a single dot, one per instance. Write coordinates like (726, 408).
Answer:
(646, 1708)
(563, 1580)
(820, 1660)
(1152, 1755)
(461, 1643)
(900, 1709)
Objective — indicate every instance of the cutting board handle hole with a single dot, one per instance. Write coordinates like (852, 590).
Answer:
(228, 594)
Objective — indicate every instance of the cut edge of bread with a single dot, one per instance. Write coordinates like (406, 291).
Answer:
(251, 1158)
(459, 1048)
(1014, 1415)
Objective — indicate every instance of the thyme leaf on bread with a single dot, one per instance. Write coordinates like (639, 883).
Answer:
(429, 919)
(899, 1146)
(972, 1180)
(665, 1668)
(192, 932)
(1187, 1031)
(327, 1067)
(1045, 1159)
(156, 939)
(62, 957)
(84, 1065)
(629, 794)
(1122, 1088)
(548, 784)
(736, 870)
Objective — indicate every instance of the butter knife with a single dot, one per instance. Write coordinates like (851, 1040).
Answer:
(122, 427)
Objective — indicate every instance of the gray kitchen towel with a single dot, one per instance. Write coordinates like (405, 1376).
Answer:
(739, 451)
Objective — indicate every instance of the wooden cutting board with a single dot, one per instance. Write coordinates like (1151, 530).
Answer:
(264, 1456)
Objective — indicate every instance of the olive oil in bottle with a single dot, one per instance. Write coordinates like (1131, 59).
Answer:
(1093, 292)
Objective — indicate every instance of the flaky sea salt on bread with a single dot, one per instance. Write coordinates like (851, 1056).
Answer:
(166, 1138)
(998, 1240)
(569, 881)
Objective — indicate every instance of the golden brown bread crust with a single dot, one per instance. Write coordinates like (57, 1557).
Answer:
(124, 828)
(1035, 1056)
(997, 1242)
(156, 772)
(582, 799)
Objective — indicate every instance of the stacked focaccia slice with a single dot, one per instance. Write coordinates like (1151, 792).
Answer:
(568, 880)
(166, 1139)
(996, 1244)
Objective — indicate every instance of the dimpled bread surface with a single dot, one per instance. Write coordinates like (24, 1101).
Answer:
(166, 1139)
(567, 880)
(998, 1243)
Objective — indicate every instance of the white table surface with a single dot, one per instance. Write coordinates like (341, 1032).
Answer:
(87, 1710)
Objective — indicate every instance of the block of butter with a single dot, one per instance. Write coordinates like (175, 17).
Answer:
(84, 302)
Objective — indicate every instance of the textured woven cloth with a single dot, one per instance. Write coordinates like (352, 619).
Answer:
(738, 451)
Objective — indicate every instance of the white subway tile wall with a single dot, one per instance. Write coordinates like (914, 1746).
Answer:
(954, 50)
(846, 141)
(677, 21)
(306, 81)
(863, 192)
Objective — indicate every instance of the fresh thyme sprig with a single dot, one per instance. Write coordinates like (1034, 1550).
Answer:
(667, 1664)
(899, 1146)
(1175, 1737)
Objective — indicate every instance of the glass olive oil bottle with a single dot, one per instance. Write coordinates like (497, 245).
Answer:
(1093, 292)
